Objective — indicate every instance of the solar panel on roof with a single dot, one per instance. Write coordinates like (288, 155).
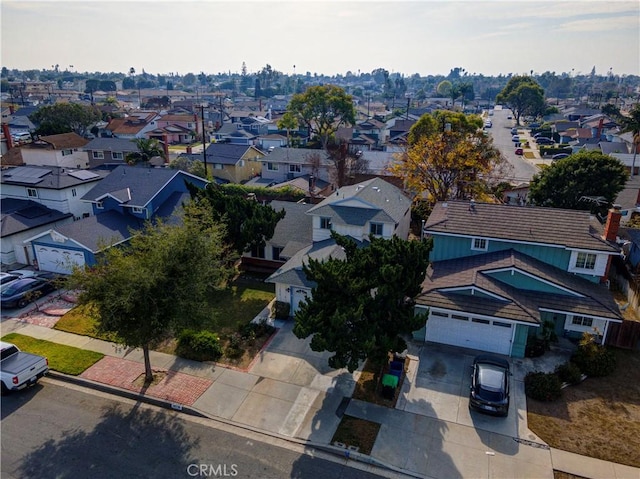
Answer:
(83, 174)
(29, 180)
(25, 171)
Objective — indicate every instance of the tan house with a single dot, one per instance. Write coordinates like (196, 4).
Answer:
(233, 163)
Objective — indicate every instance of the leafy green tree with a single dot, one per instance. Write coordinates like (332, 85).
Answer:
(523, 96)
(588, 180)
(157, 285)
(323, 109)
(288, 122)
(194, 167)
(147, 148)
(360, 306)
(248, 223)
(65, 118)
(631, 124)
(434, 123)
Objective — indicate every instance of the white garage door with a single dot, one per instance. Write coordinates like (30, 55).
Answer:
(297, 296)
(481, 334)
(58, 260)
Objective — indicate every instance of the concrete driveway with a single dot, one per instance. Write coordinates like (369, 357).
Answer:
(438, 383)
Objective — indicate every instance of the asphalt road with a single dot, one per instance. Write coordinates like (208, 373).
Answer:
(501, 132)
(63, 431)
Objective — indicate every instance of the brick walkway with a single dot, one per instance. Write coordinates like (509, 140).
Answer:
(175, 387)
(48, 313)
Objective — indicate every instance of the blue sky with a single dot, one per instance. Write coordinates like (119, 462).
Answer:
(421, 36)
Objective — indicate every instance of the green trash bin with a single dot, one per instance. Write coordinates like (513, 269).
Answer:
(390, 380)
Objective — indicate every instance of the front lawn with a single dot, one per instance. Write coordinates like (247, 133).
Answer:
(356, 432)
(231, 310)
(62, 358)
(599, 417)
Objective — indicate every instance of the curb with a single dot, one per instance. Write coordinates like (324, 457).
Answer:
(191, 411)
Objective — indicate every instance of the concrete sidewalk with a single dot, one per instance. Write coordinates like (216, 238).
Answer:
(290, 392)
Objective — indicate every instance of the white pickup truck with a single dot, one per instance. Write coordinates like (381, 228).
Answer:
(19, 369)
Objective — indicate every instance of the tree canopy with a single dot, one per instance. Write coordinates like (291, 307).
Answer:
(631, 124)
(523, 96)
(159, 283)
(248, 223)
(147, 148)
(361, 305)
(65, 118)
(588, 180)
(323, 109)
(448, 157)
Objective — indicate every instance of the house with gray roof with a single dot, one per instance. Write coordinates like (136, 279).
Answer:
(122, 203)
(284, 164)
(371, 208)
(109, 152)
(499, 272)
(59, 189)
(233, 163)
(21, 219)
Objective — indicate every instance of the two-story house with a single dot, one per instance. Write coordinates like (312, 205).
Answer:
(122, 203)
(136, 125)
(284, 164)
(109, 151)
(65, 150)
(176, 128)
(370, 208)
(233, 163)
(499, 272)
(57, 188)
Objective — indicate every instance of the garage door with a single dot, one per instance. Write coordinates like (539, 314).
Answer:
(58, 260)
(297, 296)
(474, 333)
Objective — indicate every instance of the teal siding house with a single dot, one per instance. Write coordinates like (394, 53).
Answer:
(499, 272)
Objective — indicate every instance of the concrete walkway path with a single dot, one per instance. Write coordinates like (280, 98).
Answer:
(290, 392)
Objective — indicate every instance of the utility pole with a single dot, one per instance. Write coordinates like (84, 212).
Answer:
(204, 142)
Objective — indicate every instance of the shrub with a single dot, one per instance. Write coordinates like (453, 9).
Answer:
(199, 345)
(593, 359)
(281, 310)
(234, 348)
(569, 372)
(542, 386)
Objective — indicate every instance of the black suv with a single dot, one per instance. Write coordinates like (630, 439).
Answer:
(490, 385)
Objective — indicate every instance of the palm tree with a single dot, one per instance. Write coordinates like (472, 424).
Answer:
(631, 124)
(147, 149)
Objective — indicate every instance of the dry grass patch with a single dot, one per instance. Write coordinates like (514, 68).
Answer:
(358, 433)
(369, 387)
(599, 418)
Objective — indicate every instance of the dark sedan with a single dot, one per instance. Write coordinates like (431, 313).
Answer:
(23, 291)
(490, 385)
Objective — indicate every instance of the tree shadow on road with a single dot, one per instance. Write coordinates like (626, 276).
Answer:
(126, 442)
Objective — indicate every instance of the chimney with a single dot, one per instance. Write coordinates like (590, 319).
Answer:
(7, 135)
(613, 223)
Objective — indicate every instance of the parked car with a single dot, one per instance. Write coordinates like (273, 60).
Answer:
(514, 131)
(23, 291)
(519, 151)
(543, 140)
(19, 369)
(7, 278)
(534, 125)
(509, 117)
(559, 156)
(515, 138)
(490, 385)
(488, 124)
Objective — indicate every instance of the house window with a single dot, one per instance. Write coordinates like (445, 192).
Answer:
(67, 152)
(190, 126)
(272, 166)
(117, 155)
(439, 314)
(241, 163)
(294, 168)
(275, 253)
(74, 192)
(586, 261)
(98, 155)
(460, 317)
(100, 205)
(32, 193)
(218, 166)
(481, 321)
(257, 251)
(479, 244)
(375, 229)
(137, 209)
(582, 321)
(501, 324)
(325, 223)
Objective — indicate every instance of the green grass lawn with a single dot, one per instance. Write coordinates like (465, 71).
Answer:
(230, 309)
(62, 358)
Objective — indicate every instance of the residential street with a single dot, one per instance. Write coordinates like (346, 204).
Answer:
(55, 431)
